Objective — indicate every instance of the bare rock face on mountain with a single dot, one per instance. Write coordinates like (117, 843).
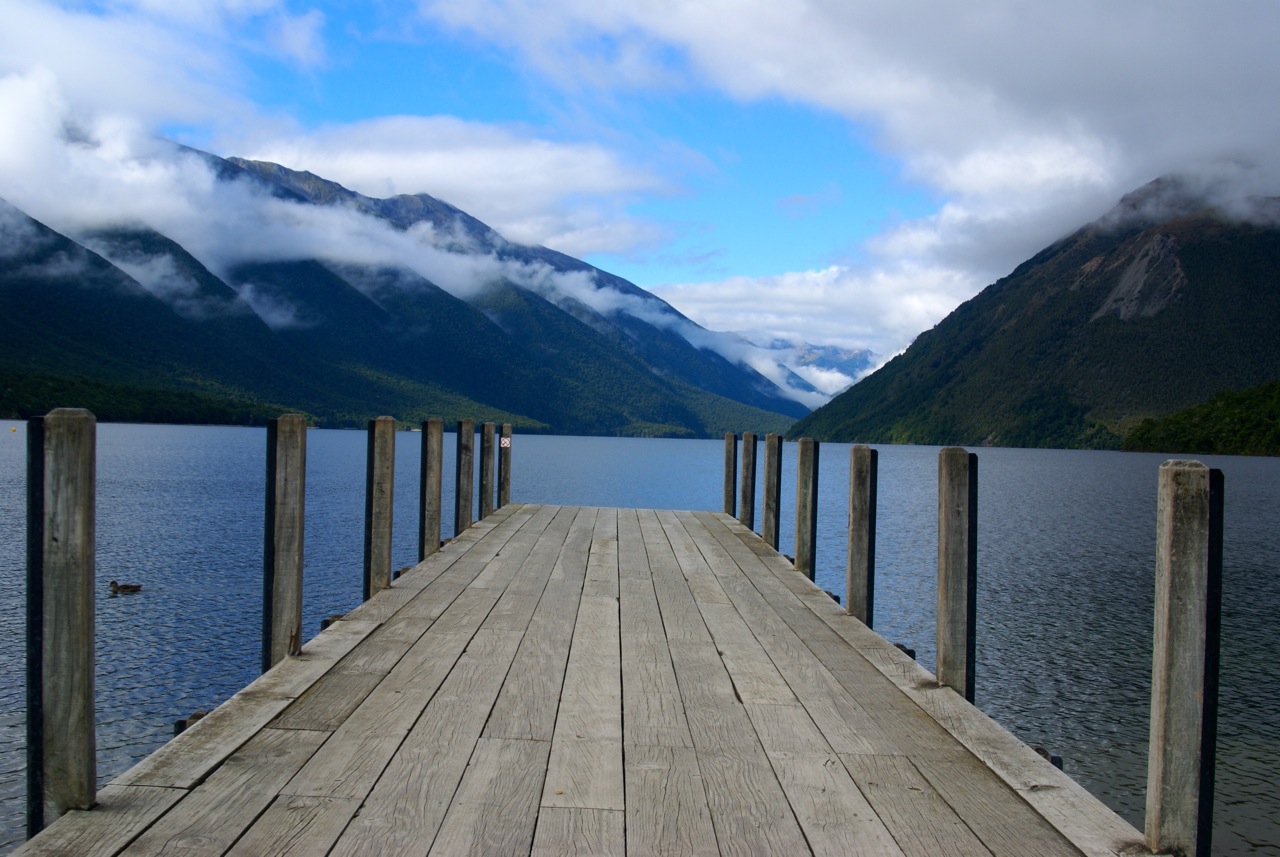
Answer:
(1165, 301)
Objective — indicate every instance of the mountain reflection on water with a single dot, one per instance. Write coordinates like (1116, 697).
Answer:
(1066, 563)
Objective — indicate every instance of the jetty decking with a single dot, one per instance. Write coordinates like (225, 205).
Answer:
(564, 680)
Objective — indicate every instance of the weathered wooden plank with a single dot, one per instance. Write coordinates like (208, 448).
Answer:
(646, 666)
(833, 813)
(584, 774)
(755, 678)
(602, 561)
(586, 753)
(573, 830)
(496, 808)
(530, 698)
(842, 719)
(120, 814)
(403, 812)
(638, 612)
(748, 808)
(572, 562)
(704, 585)
(633, 560)
(921, 822)
(527, 704)
(349, 764)
(219, 810)
(667, 809)
(501, 569)
(295, 826)
(715, 715)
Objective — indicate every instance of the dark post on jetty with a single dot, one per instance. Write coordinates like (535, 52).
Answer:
(730, 473)
(464, 476)
(488, 441)
(379, 493)
(61, 520)
(807, 506)
(432, 470)
(772, 490)
(1184, 680)
(860, 572)
(504, 465)
(747, 498)
(283, 539)
(957, 568)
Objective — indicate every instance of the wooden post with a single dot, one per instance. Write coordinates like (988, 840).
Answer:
(429, 493)
(860, 580)
(463, 476)
(747, 499)
(283, 539)
(730, 472)
(378, 497)
(1184, 681)
(61, 750)
(806, 506)
(504, 465)
(957, 568)
(488, 434)
(769, 527)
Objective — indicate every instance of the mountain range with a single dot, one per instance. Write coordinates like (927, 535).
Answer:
(291, 292)
(1167, 300)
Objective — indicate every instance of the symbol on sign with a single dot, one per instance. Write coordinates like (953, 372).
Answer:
(504, 443)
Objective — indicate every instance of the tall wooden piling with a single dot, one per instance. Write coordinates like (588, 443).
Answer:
(957, 568)
(747, 496)
(504, 465)
(283, 539)
(730, 473)
(464, 464)
(379, 495)
(61, 526)
(860, 577)
(429, 493)
(488, 435)
(1184, 682)
(806, 506)
(769, 527)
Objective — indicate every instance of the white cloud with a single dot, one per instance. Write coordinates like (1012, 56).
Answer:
(881, 310)
(299, 38)
(1027, 119)
(569, 196)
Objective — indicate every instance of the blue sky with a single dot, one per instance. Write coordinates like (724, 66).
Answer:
(841, 172)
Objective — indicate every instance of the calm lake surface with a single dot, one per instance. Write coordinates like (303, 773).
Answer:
(1066, 565)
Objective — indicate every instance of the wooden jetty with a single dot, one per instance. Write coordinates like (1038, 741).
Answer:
(562, 680)
(571, 680)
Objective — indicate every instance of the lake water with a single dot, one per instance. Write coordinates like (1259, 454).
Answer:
(1066, 564)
